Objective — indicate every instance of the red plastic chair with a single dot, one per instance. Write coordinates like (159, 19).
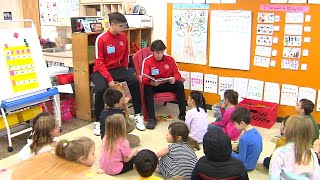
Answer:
(162, 97)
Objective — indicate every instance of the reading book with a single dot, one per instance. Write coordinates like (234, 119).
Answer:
(158, 80)
(124, 89)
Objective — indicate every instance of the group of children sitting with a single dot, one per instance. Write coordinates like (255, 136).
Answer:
(222, 159)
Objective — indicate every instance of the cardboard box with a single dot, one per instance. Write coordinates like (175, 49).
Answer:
(139, 21)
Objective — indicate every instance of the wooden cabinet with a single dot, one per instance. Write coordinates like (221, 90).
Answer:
(102, 7)
(81, 43)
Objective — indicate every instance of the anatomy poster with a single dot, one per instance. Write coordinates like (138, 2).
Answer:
(189, 36)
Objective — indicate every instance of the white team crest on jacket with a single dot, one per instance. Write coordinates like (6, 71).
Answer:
(121, 43)
(166, 66)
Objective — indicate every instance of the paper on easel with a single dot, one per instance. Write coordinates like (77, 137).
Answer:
(307, 93)
(225, 83)
(66, 88)
(318, 102)
(255, 89)
(211, 83)
(196, 81)
(289, 95)
(271, 92)
(186, 76)
(241, 86)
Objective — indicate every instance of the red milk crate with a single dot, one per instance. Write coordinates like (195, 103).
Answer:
(264, 114)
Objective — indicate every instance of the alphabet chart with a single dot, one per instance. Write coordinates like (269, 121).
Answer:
(225, 83)
(196, 81)
(21, 68)
(271, 92)
(289, 95)
(211, 83)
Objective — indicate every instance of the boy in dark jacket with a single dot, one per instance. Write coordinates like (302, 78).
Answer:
(217, 162)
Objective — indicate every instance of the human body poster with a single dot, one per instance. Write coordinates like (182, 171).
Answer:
(189, 35)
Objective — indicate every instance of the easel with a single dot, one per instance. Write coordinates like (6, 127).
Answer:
(40, 94)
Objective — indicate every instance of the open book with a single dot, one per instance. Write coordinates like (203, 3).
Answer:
(158, 80)
(124, 89)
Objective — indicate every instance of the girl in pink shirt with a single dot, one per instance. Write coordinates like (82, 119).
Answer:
(116, 156)
(230, 100)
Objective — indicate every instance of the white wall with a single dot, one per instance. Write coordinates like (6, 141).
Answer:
(13, 6)
(158, 10)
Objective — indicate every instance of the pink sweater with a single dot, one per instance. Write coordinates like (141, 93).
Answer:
(226, 124)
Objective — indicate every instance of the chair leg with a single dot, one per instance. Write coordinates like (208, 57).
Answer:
(165, 103)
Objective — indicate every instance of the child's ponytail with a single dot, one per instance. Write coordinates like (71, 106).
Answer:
(199, 100)
(60, 148)
(193, 144)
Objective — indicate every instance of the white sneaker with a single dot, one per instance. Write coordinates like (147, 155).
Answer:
(138, 119)
(96, 129)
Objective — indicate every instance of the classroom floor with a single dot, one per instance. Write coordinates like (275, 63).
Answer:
(149, 137)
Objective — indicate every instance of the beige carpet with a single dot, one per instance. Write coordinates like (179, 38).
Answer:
(155, 140)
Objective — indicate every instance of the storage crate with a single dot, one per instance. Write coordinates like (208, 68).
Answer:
(29, 114)
(12, 120)
(67, 107)
(264, 114)
(65, 78)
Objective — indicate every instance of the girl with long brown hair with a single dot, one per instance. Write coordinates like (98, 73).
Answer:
(116, 156)
(45, 130)
(296, 159)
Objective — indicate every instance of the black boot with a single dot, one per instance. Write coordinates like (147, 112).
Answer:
(151, 124)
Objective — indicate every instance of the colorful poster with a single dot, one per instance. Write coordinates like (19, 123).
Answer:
(265, 17)
(196, 81)
(264, 40)
(292, 41)
(189, 36)
(290, 64)
(211, 83)
(289, 95)
(271, 92)
(289, 52)
(21, 68)
(265, 29)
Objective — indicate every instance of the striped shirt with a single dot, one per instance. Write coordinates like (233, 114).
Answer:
(180, 161)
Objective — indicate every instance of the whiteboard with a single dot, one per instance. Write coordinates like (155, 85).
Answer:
(22, 67)
(230, 39)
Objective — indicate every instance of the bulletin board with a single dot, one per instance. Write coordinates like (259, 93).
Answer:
(22, 67)
(301, 78)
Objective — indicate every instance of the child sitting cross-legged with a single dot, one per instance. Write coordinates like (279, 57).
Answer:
(116, 155)
(115, 102)
(250, 143)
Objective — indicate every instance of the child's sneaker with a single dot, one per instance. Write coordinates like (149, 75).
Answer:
(96, 129)
(138, 119)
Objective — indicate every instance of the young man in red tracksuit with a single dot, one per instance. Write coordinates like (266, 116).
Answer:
(111, 64)
(158, 66)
